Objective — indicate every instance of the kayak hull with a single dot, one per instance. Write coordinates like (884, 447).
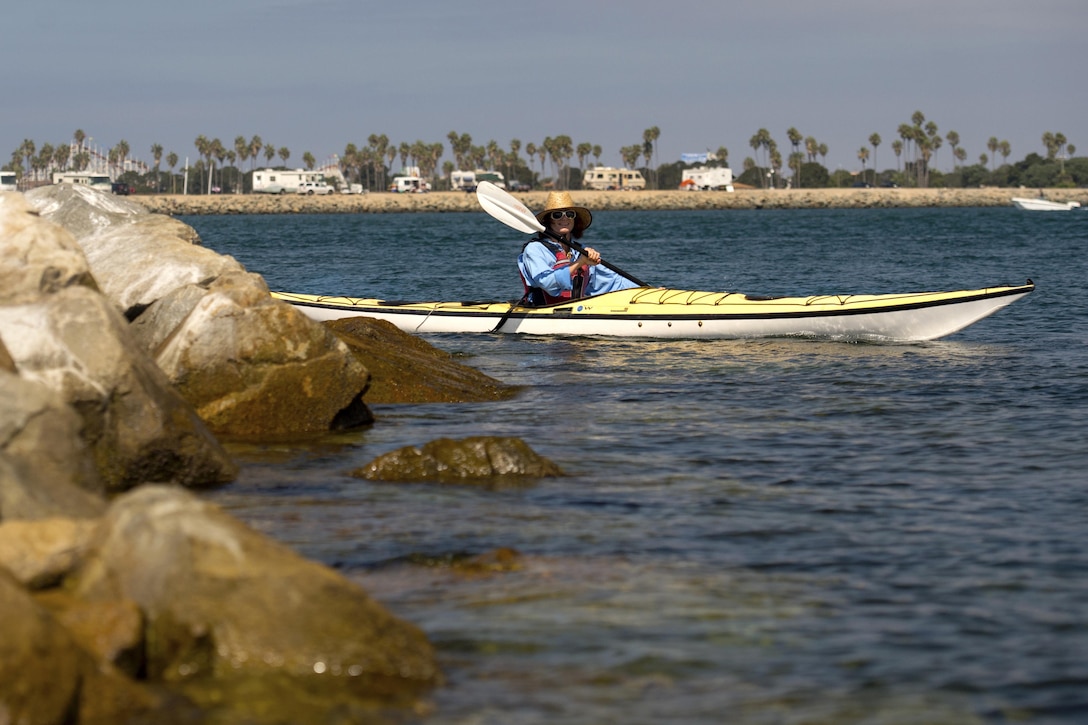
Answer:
(655, 312)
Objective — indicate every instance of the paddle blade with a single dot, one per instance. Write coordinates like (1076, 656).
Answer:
(508, 210)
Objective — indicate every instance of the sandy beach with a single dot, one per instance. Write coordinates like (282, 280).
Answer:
(455, 201)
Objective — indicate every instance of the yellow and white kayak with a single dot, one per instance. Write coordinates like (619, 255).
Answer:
(658, 312)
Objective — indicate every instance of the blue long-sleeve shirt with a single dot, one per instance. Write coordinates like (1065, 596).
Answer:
(537, 265)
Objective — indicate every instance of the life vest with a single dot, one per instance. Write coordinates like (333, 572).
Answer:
(537, 296)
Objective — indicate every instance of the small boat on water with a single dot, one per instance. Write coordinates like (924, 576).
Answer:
(658, 312)
(1040, 204)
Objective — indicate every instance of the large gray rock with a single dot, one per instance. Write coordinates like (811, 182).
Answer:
(136, 257)
(252, 366)
(46, 469)
(35, 258)
(225, 605)
(138, 427)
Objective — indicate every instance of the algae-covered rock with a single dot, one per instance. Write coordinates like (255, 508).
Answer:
(406, 369)
(486, 460)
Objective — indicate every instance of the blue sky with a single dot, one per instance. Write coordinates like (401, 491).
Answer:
(314, 75)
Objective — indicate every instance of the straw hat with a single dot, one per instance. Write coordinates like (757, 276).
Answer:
(561, 200)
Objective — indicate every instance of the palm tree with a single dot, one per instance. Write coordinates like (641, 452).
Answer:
(122, 153)
(27, 150)
(156, 154)
(795, 138)
(454, 138)
(284, 154)
(897, 149)
(530, 151)
(649, 140)
(61, 156)
(220, 154)
(723, 155)
(648, 154)
(515, 148)
(1004, 148)
(203, 147)
(255, 145)
(269, 153)
(953, 140)
(308, 160)
(542, 152)
(172, 161)
(874, 141)
(583, 151)
(992, 145)
(863, 156)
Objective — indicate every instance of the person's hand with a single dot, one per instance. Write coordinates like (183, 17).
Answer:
(593, 255)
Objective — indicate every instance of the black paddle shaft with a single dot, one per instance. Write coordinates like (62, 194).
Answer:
(582, 250)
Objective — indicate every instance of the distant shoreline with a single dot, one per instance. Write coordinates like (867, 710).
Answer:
(456, 201)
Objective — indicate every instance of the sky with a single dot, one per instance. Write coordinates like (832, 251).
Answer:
(314, 75)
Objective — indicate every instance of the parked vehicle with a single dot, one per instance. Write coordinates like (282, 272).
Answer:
(84, 178)
(122, 189)
(606, 178)
(469, 180)
(7, 181)
(702, 178)
(314, 187)
(283, 181)
(409, 184)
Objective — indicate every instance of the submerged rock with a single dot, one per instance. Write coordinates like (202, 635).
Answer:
(406, 369)
(482, 460)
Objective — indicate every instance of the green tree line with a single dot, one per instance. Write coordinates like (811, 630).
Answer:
(558, 162)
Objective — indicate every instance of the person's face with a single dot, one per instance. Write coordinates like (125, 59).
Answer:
(561, 222)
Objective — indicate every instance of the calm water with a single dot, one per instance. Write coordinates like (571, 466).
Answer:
(770, 531)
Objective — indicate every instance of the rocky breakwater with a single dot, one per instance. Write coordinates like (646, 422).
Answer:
(450, 201)
(127, 351)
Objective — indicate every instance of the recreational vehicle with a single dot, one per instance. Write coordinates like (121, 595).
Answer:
(84, 178)
(7, 181)
(409, 184)
(282, 181)
(702, 178)
(606, 178)
(469, 180)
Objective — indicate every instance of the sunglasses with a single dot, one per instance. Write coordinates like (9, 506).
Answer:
(560, 214)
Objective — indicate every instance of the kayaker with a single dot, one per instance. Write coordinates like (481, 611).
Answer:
(551, 270)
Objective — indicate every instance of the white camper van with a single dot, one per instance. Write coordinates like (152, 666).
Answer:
(606, 178)
(469, 180)
(7, 181)
(84, 178)
(279, 181)
(409, 184)
(702, 178)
